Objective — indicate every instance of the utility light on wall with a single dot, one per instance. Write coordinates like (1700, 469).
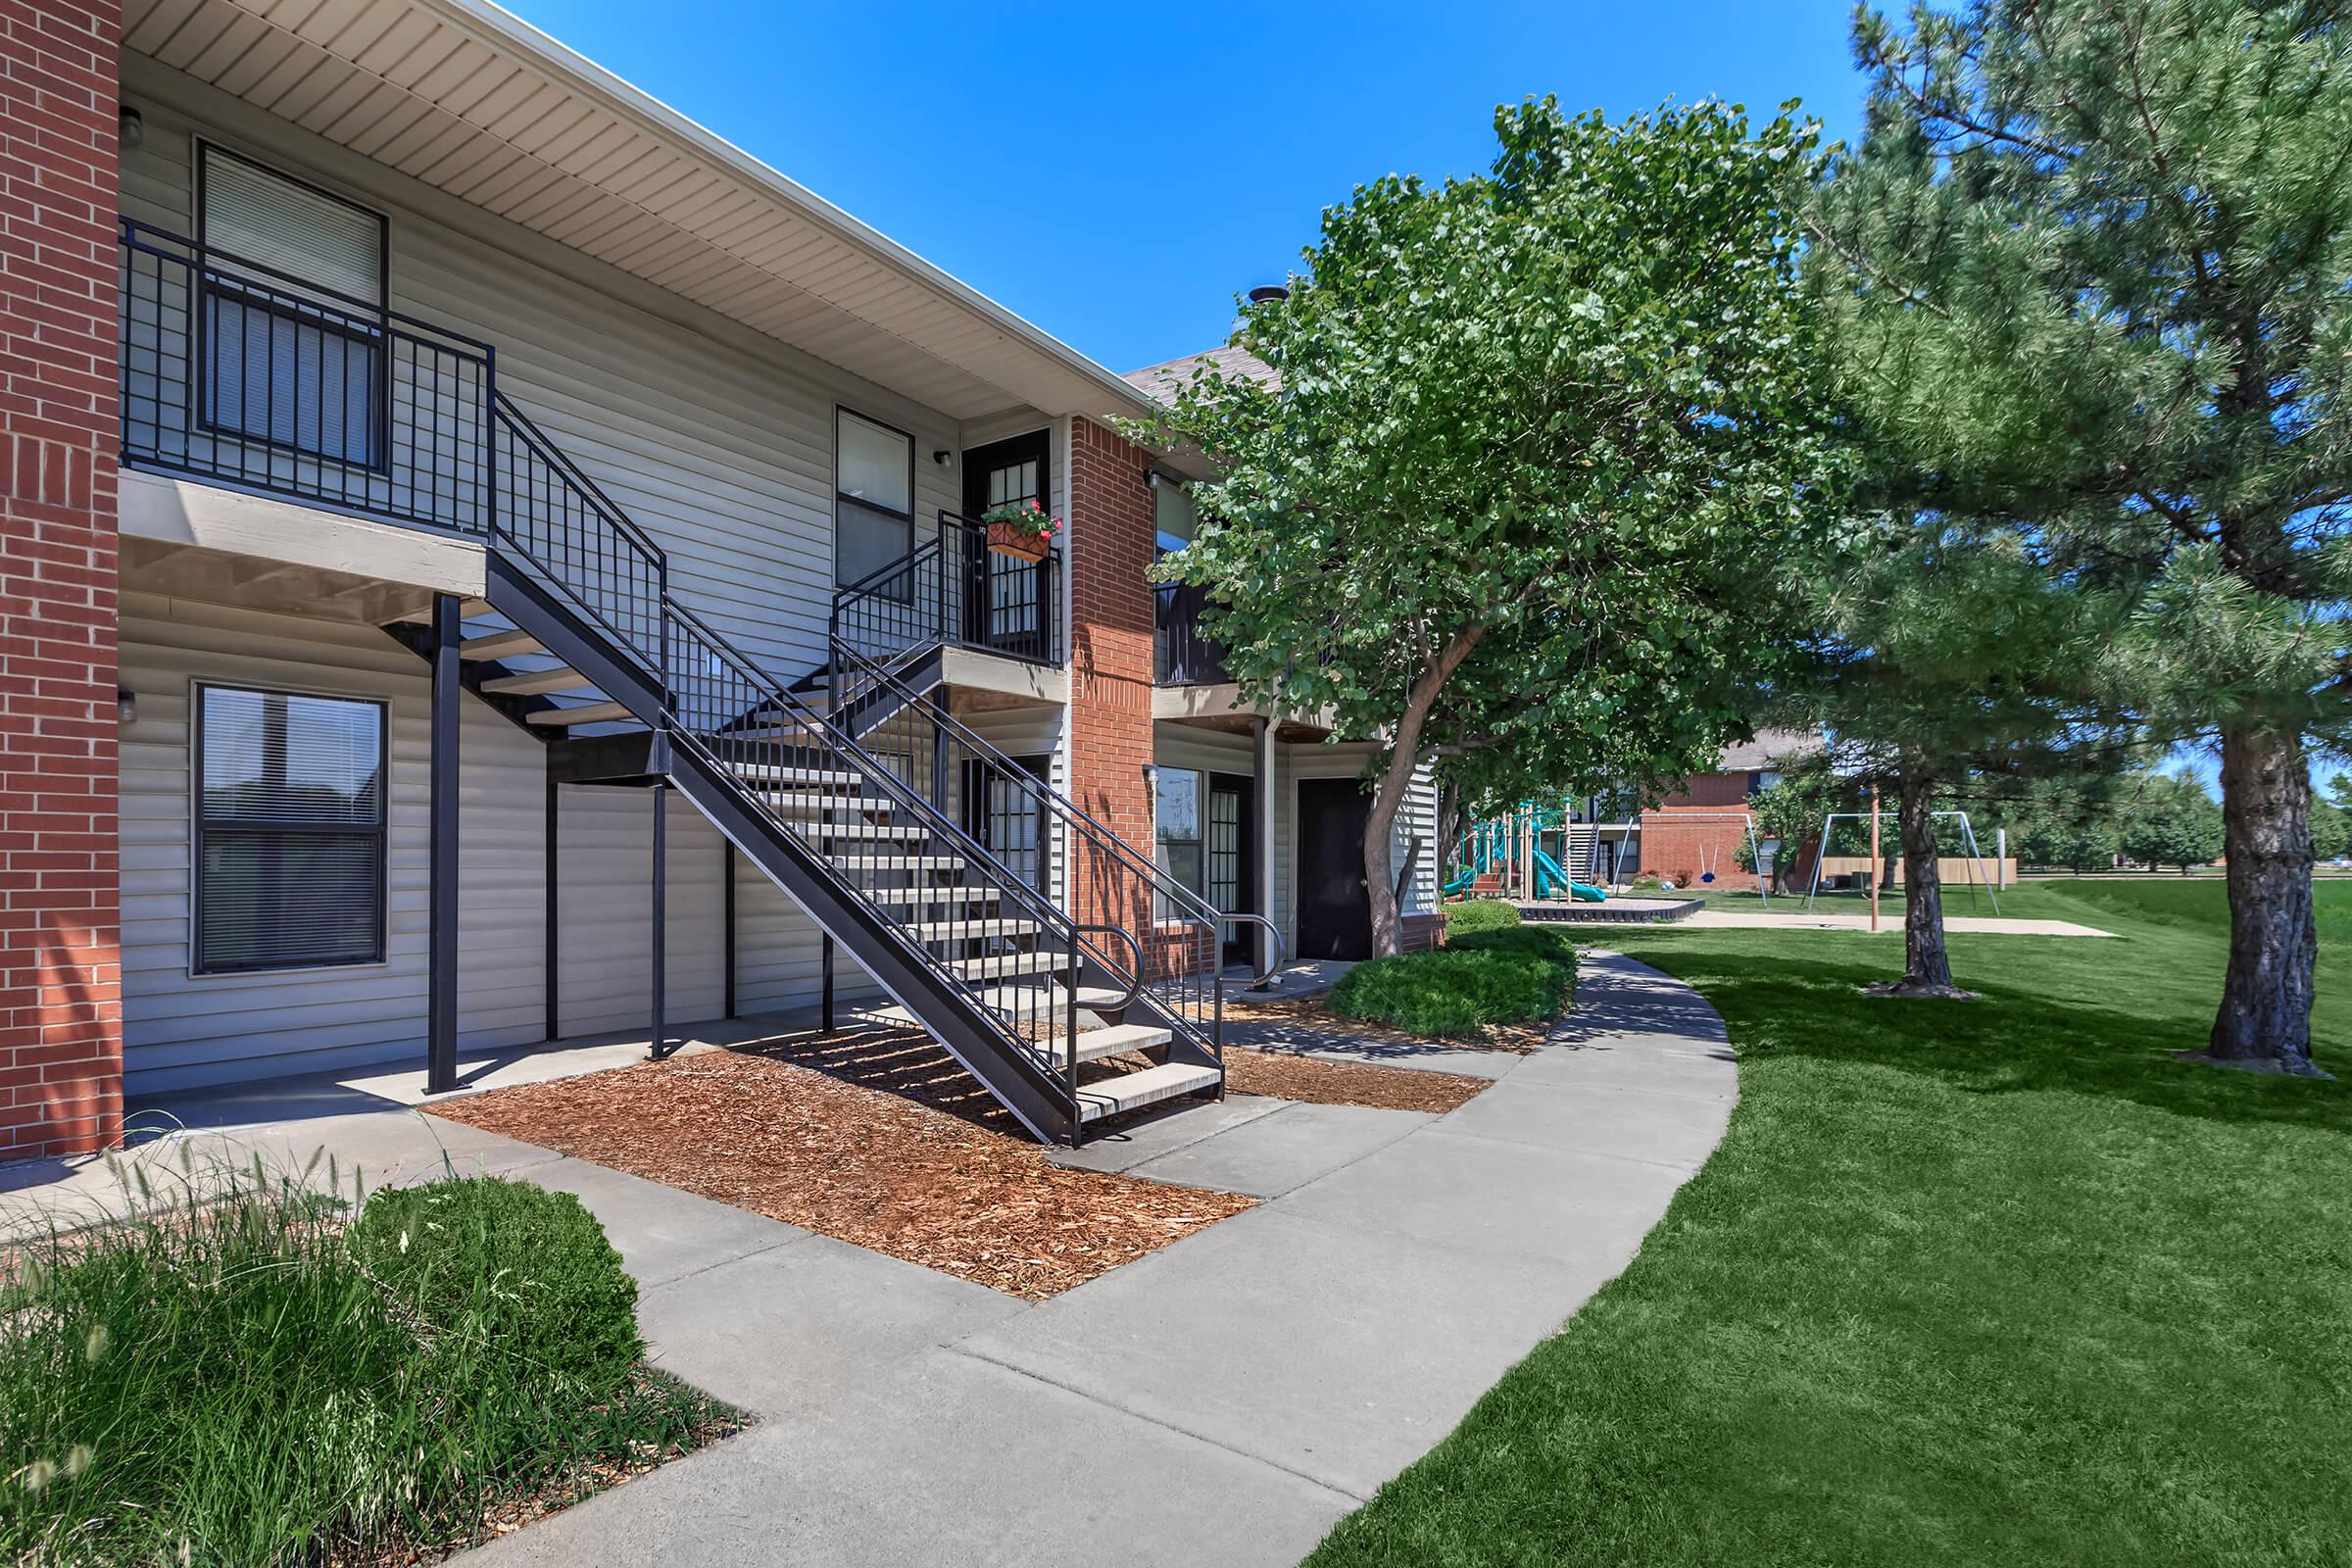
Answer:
(130, 127)
(126, 705)
(1151, 478)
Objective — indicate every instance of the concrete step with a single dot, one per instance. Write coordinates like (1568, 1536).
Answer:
(584, 713)
(537, 683)
(501, 645)
(1112, 1097)
(894, 896)
(973, 930)
(774, 778)
(870, 831)
(897, 863)
(1006, 963)
(1113, 1040)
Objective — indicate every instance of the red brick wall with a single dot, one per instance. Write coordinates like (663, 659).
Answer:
(1111, 535)
(1682, 852)
(61, 1009)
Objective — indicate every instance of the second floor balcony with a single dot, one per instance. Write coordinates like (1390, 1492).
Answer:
(1180, 655)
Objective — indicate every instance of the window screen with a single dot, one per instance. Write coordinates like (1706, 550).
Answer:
(290, 837)
(873, 496)
(293, 359)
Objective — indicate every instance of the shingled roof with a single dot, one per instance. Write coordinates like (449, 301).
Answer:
(1163, 381)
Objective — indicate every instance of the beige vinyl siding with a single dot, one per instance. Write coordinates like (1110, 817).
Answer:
(605, 956)
(181, 1030)
(723, 456)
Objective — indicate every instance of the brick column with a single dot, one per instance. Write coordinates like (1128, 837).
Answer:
(1682, 849)
(1113, 535)
(61, 1009)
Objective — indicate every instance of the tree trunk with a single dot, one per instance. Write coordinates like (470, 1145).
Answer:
(1926, 966)
(1380, 886)
(2265, 1018)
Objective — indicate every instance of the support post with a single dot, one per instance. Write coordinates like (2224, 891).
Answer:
(1265, 836)
(827, 1019)
(661, 1032)
(727, 915)
(1876, 862)
(553, 942)
(441, 898)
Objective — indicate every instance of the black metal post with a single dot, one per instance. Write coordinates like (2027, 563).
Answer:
(727, 914)
(554, 938)
(441, 898)
(661, 793)
(827, 1019)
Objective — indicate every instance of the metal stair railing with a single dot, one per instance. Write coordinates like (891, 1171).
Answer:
(952, 590)
(1119, 879)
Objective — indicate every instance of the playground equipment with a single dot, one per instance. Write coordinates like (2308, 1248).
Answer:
(1511, 848)
(1710, 856)
(1968, 832)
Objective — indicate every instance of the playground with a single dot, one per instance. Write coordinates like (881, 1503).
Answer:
(1556, 861)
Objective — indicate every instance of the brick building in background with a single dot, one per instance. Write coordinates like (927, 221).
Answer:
(1702, 828)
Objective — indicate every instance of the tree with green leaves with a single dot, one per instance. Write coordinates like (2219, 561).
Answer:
(1789, 810)
(1538, 439)
(1939, 662)
(2095, 257)
(2171, 820)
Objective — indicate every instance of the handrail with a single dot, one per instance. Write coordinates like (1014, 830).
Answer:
(880, 773)
(1141, 866)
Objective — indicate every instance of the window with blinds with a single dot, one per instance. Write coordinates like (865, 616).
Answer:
(290, 830)
(293, 335)
(873, 496)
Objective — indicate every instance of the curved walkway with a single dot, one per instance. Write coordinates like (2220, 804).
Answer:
(1224, 1400)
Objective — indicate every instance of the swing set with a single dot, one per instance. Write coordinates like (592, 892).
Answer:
(1968, 832)
(1710, 856)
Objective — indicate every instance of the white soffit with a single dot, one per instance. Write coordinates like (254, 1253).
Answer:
(479, 104)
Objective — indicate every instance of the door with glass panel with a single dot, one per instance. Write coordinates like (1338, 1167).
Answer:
(1007, 600)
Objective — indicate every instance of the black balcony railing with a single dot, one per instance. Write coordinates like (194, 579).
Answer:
(237, 373)
(954, 589)
(1180, 655)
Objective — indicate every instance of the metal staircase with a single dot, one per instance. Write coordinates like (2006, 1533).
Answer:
(1047, 956)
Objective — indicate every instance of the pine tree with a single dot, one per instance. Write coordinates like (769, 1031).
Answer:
(1943, 663)
(2092, 263)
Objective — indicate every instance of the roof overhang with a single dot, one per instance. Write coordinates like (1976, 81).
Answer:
(480, 105)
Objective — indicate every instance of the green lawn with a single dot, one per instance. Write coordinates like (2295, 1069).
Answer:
(1990, 1282)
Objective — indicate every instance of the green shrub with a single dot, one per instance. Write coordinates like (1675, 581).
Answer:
(220, 1380)
(1480, 914)
(1517, 974)
(507, 1267)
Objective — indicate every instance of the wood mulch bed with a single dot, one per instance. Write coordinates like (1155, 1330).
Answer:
(1345, 1083)
(1314, 1012)
(877, 1138)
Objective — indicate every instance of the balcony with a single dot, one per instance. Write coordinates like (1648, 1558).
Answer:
(1180, 655)
(953, 590)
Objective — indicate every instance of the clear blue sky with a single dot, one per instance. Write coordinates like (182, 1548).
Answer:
(1117, 174)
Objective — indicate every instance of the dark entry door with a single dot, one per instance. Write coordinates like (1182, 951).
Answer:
(1005, 599)
(1335, 912)
(1231, 860)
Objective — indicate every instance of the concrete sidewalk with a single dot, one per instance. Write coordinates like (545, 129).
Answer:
(1225, 1400)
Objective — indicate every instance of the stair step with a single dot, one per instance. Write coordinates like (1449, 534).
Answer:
(1023, 1002)
(1006, 963)
(584, 713)
(1114, 1040)
(973, 930)
(933, 895)
(860, 830)
(1135, 1090)
(895, 863)
(501, 645)
(780, 779)
(536, 682)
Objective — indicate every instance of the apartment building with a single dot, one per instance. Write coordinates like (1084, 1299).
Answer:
(486, 562)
